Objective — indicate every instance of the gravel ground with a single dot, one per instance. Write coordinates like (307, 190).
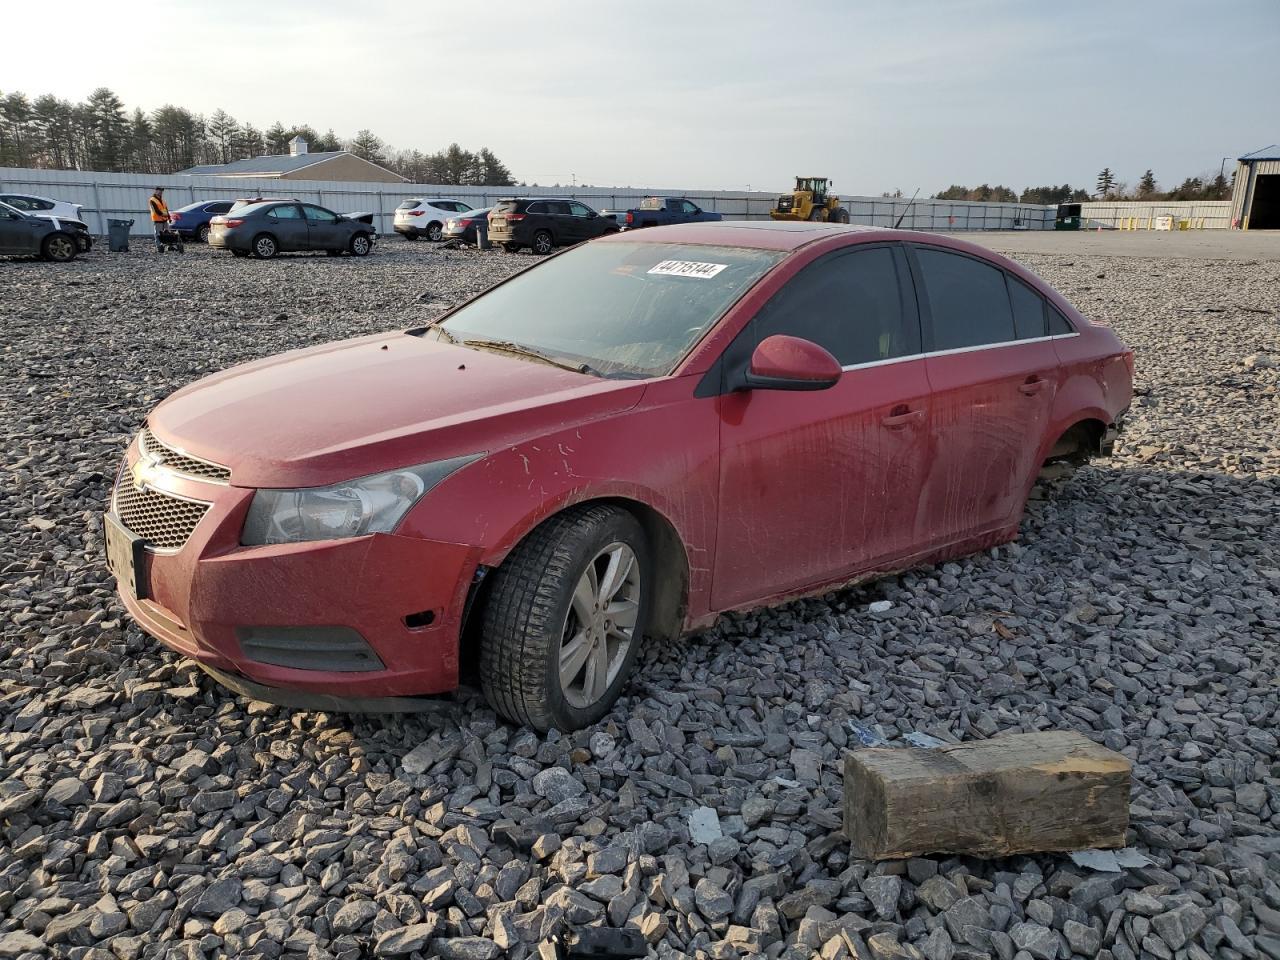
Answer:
(148, 813)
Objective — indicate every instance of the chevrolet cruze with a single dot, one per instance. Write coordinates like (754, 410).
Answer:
(616, 445)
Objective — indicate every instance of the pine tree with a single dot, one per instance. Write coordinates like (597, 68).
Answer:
(277, 138)
(110, 130)
(368, 147)
(1106, 182)
(222, 129)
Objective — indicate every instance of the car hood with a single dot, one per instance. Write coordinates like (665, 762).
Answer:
(330, 413)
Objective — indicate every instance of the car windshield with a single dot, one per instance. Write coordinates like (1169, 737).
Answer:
(623, 309)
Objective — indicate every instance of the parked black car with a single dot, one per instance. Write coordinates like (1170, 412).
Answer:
(21, 234)
(543, 223)
(464, 226)
(279, 226)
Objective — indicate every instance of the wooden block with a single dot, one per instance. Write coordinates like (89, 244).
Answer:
(1024, 793)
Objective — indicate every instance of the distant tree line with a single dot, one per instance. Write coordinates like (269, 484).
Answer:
(1203, 187)
(102, 134)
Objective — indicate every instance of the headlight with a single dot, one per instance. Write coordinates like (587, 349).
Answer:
(373, 504)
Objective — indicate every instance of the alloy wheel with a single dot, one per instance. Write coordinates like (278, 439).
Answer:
(600, 625)
(60, 248)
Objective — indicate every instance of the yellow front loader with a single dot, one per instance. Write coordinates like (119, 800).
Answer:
(810, 201)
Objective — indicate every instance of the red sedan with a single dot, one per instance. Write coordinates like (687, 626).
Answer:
(620, 443)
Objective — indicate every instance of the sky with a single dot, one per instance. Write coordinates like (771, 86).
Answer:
(705, 94)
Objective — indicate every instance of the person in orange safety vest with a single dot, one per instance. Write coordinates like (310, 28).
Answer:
(159, 215)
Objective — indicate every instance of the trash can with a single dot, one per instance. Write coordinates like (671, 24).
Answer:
(118, 235)
(482, 235)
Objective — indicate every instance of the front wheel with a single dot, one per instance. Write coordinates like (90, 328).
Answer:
(264, 246)
(360, 245)
(563, 624)
(58, 247)
(542, 242)
(816, 214)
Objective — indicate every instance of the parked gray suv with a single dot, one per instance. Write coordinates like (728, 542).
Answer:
(22, 234)
(279, 226)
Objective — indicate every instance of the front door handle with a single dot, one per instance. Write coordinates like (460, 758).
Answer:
(1033, 386)
(901, 417)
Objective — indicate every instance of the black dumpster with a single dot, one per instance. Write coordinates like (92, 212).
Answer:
(118, 235)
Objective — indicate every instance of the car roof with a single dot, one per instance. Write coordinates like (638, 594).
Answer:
(29, 196)
(790, 235)
(758, 234)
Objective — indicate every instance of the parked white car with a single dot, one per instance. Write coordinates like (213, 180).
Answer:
(70, 214)
(426, 217)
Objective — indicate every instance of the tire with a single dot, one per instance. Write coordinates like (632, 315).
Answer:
(542, 594)
(360, 245)
(543, 243)
(842, 216)
(59, 248)
(265, 246)
(434, 232)
(816, 214)
(511, 247)
(203, 233)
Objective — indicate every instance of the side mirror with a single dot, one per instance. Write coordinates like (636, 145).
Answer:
(782, 362)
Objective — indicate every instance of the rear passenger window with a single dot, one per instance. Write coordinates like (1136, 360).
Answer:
(1059, 324)
(1028, 309)
(967, 299)
(535, 208)
(285, 213)
(849, 303)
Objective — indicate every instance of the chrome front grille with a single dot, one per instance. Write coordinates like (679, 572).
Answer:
(163, 520)
(178, 462)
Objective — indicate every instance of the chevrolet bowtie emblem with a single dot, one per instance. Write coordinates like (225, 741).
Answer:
(145, 469)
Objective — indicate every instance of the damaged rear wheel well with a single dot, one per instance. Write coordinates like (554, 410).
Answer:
(1078, 442)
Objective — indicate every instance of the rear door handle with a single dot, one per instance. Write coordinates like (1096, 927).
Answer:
(1032, 386)
(896, 420)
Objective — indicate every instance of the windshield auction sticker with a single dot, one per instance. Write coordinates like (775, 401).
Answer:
(688, 268)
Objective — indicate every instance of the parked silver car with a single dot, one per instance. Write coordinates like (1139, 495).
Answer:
(265, 229)
(23, 234)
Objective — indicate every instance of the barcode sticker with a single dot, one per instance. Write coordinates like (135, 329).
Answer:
(688, 268)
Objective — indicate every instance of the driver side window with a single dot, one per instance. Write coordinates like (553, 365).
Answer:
(316, 213)
(851, 303)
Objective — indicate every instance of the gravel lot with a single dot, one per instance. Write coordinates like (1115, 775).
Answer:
(148, 813)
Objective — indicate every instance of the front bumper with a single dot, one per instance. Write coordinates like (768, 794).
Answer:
(202, 597)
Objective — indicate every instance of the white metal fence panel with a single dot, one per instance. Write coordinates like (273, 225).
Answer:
(123, 196)
(1142, 214)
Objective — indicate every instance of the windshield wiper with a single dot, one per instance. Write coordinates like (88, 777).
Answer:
(519, 349)
(442, 333)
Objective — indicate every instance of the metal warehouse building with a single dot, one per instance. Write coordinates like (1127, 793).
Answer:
(1255, 201)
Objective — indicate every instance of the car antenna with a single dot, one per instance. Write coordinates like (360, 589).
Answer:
(908, 210)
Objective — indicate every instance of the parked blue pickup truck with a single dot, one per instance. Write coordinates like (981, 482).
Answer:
(661, 211)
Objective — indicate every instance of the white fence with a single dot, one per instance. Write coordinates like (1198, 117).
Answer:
(1142, 214)
(123, 196)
